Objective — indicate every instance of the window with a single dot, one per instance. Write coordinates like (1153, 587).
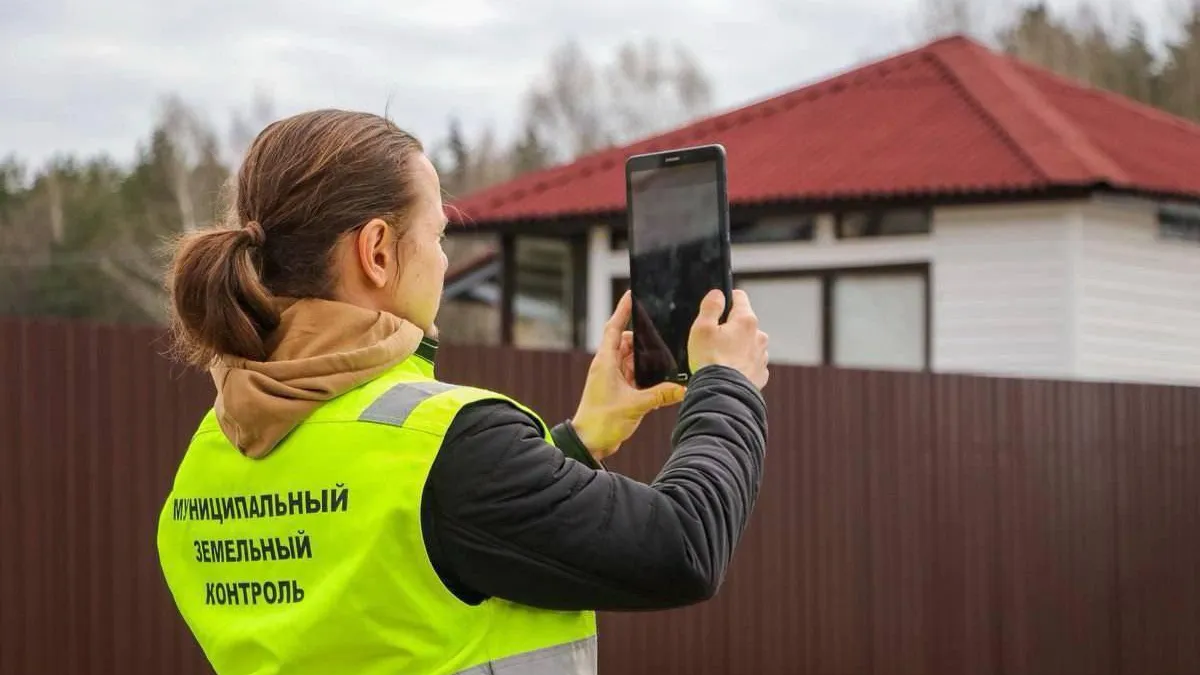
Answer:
(789, 310)
(774, 229)
(1179, 223)
(878, 320)
(769, 229)
(897, 222)
(874, 318)
(544, 302)
(853, 318)
(618, 240)
(619, 286)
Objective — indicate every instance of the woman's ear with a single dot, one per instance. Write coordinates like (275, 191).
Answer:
(375, 252)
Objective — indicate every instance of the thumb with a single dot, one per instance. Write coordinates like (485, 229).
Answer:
(662, 395)
(711, 307)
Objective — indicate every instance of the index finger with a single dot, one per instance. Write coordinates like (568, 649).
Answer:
(616, 324)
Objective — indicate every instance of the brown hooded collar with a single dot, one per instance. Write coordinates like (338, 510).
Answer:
(320, 350)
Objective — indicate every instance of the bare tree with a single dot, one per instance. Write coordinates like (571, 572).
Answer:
(938, 18)
(184, 156)
(566, 106)
(54, 194)
(137, 286)
(489, 164)
(579, 107)
(246, 124)
(650, 91)
(193, 144)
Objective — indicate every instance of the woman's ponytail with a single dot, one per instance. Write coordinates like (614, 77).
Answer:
(219, 303)
(313, 177)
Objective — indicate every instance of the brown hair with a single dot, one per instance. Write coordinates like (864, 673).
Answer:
(306, 181)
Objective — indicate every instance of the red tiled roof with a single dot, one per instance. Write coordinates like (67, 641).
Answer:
(951, 117)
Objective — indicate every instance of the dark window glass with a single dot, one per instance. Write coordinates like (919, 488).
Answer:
(802, 228)
(893, 223)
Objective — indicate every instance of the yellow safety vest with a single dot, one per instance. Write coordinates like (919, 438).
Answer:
(311, 560)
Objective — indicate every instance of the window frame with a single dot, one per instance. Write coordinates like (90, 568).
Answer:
(740, 230)
(578, 272)
(741, 218)
(839, 223)
(1178, 225)
(827, 275)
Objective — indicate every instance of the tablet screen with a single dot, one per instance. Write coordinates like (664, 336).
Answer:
(676, 258)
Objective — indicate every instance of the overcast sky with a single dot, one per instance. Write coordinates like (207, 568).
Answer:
(86, 75)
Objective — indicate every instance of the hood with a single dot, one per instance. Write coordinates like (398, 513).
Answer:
(320, 350)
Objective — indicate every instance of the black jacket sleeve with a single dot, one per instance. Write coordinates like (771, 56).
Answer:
(508, 515)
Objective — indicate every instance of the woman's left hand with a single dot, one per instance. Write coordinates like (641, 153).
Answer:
(612, 407)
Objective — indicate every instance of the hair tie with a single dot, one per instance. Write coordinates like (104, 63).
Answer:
(254, 234)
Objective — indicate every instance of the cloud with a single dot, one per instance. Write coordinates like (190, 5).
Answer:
(86, 76)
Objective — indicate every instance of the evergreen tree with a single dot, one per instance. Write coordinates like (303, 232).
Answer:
(530, 153)
(460, 159)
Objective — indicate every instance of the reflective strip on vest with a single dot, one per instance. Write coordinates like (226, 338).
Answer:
(574, 658)
(397, 404)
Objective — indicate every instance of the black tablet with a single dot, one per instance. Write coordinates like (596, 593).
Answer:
(677, 208)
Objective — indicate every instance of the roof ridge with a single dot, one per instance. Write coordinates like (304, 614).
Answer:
(1143, 109)
(1092, 157)
(1040, 109)
(988, 118)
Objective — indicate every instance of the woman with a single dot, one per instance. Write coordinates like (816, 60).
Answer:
(339, 510)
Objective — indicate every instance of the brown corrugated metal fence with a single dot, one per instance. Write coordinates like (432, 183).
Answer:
(909, 523)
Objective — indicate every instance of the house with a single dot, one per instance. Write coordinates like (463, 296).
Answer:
(948, 208)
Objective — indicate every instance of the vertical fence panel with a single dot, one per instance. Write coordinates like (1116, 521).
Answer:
(898, 487)
(53, 434)
(1019, 521)
(35, 500)
(965, 556)
(908, 523)
(11, 393)
(1187, 420)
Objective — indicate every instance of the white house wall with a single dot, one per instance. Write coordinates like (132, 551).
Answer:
(1068, 290)
(1138, 311)
(599, 280)
(1001, 282)
(1002, 287)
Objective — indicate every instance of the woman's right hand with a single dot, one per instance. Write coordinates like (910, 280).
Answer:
(737, 343)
